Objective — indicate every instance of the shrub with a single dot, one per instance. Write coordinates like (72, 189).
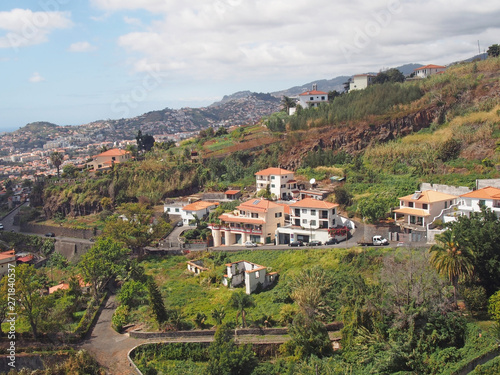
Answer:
(475, 297)
(494, 306)
(120, 318)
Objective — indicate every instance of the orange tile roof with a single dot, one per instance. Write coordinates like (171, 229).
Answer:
(62, 286)
(412, 211)
(314, 203)
(286, 207)
(273, 171)
(231, 192)
(488, 192)
(257, 205)
(7, 254)
(313, 92)
(113, 152)
(240, 219)
(431, 66)
(200, 205)
(429, 196)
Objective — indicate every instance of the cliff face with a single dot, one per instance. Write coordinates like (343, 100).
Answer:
(356, 138)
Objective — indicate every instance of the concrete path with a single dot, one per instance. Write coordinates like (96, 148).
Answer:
(109, 347)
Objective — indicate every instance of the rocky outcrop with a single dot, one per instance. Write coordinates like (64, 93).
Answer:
(356, 138)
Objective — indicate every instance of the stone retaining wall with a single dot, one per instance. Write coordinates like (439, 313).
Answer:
(60, 231)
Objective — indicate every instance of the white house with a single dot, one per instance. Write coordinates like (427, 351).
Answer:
(196, 266)
(422, 208)
(250, 274)
(310, 220)
(281, 182)
(187, 211)
(488, 197)
(361, 81)
(313, 98)
(428, 70)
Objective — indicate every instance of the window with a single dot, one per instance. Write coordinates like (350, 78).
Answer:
(482, 202)
(273, 177)
(304, 211)
(425, 206)
(272, 185)
(322, 98)
(445, 204)
(313, 212)
(410, 204)
(304, 221)
(254, 215)
(168, 209)
(176, 210)
(242, 212)
(257, 274)
(278, 214)
(313, 222)
(311, 98)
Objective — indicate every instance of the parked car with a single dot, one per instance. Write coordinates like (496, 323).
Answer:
(50, 234)
(250, 244)
(331, 241)
(296, 244)
(179, 224)
(1, 226)
(314, 243)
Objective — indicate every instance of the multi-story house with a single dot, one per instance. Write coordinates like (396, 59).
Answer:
(200, 208)
(280, 181)
(6, 258)
(488, 197)
(255, 220)
(428, 70)
(310, 220)
(313, 98)
(361, 81)
(106, 159)
(421, 208)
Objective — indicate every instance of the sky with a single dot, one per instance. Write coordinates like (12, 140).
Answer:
(71, 62)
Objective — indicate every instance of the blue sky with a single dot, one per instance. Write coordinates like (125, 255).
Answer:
(77, 61)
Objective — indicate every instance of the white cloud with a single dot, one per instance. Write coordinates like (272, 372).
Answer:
(36, 78)
(81, 47)
(237, 39)
(132, 21)
(25, 28)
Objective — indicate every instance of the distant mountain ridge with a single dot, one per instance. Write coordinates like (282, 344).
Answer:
(239, 108)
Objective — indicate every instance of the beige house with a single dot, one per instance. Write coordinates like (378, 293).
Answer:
(6, 258)
(248, 273)
(422, 208)
(255, 220)
(106, 159)
(361, 81)
(281, 182)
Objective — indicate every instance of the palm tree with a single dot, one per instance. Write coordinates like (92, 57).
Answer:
(56, 159)
(287, 103)
(218, 315)
(450, 259)
(241, 301)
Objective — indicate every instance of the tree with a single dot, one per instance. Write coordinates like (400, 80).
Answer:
(332, 95)
(450, 259)
(156, 302)
(56, 158)
(227, 358)
(34, 305)
(308, 337)
(144, 142)
(101, 263)
(241, 301)
(137, 228)
(4, 306)
(342, 196)
(218, 315)
(494, 50)
(479, 235)
(69, 171)
(287, 103)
